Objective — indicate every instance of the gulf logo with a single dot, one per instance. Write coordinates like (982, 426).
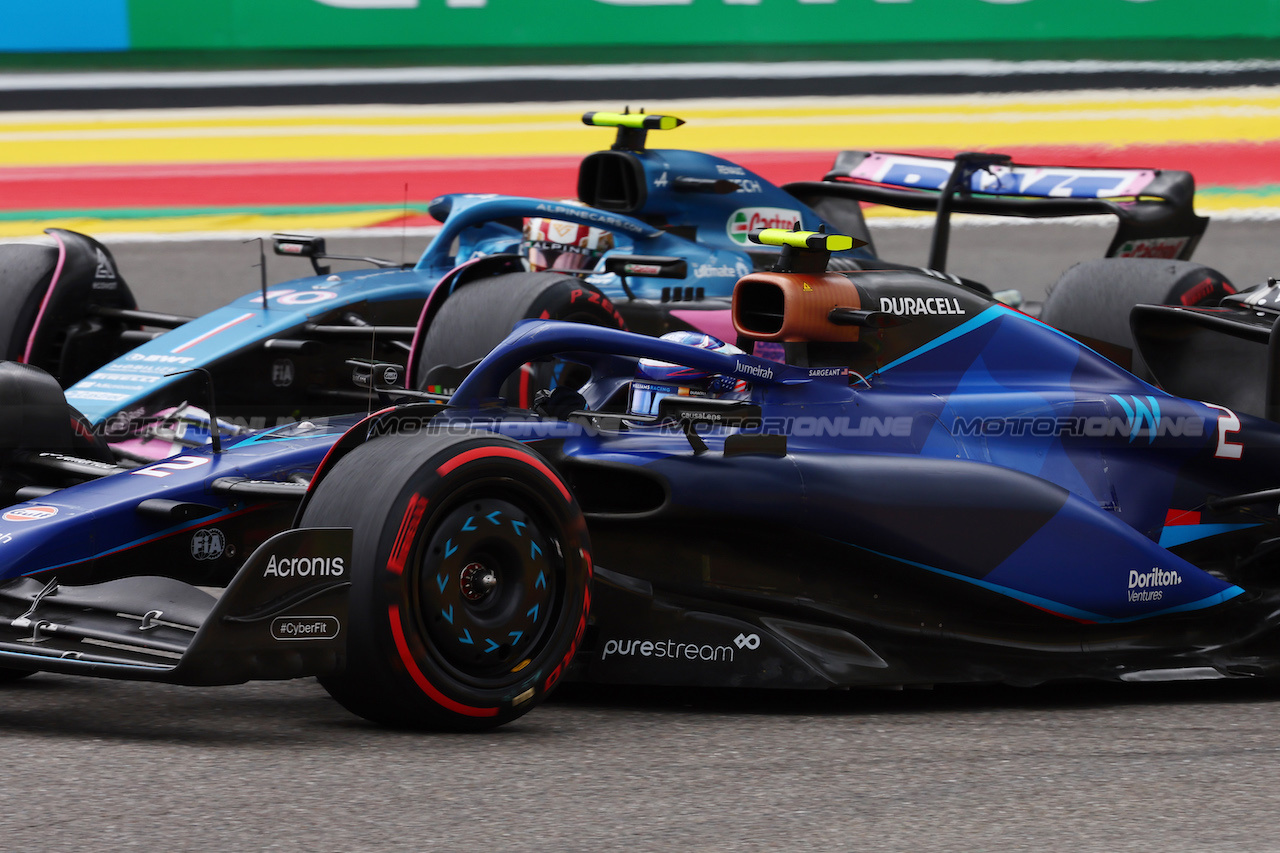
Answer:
(30, 513)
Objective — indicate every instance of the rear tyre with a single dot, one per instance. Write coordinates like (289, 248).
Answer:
(1092, 300)
(470, 579)
(480, 314)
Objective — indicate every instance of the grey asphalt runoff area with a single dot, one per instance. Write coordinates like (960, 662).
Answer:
(99, 765)
(195, 277)
(114, 766)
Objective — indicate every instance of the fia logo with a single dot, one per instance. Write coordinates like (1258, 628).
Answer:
(282, 373)
(208, 544)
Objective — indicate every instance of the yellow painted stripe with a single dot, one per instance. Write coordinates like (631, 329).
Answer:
(1223, 201)
(552, 115)
(33, 139)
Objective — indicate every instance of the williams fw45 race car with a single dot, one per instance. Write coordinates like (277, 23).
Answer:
(655, 244)
(927, 487)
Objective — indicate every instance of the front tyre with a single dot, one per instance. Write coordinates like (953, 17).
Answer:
(49, 290)
(480, 314)
(470, 579)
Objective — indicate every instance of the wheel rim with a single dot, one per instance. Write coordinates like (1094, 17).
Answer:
(487, 585)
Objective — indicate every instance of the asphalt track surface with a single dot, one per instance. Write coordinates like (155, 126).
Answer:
(99, 765)
(194, 277)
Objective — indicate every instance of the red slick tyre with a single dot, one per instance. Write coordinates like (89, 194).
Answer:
(470, 578)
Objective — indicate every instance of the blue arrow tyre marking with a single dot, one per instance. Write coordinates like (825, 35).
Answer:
(532, 611)
(449, 548)
(493, 520)
(442, 581)
(519, 526)
(448, 614)
(468, 525)
(515, 636)
(541, 581)
(491, 647)
(534, 553)
(466, 637)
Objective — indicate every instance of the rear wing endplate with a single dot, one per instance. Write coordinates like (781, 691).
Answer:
(1154, 207)
(1228, 355)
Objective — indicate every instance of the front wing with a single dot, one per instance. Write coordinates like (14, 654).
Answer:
(282, 616)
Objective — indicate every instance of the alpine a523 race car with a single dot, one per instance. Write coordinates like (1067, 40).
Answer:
(655, 245)
(929, 487)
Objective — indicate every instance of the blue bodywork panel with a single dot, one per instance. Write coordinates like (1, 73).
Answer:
(100, 518)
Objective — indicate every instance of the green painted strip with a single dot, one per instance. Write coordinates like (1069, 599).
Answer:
(1263, 191)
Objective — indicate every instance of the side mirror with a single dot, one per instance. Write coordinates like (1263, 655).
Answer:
(301, 246)
(375, 375)
(688, 412)
(298, 244)
(652, 266)
(314, 248)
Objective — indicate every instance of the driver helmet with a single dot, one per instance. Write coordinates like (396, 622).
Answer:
(552, 244)
(655, 380)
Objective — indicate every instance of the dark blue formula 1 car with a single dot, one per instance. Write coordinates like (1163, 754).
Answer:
(656, 245)
(929, 487)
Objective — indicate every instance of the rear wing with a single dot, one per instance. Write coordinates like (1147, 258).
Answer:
(1154, 207)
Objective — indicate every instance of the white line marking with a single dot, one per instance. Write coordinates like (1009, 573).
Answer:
(671, 71)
